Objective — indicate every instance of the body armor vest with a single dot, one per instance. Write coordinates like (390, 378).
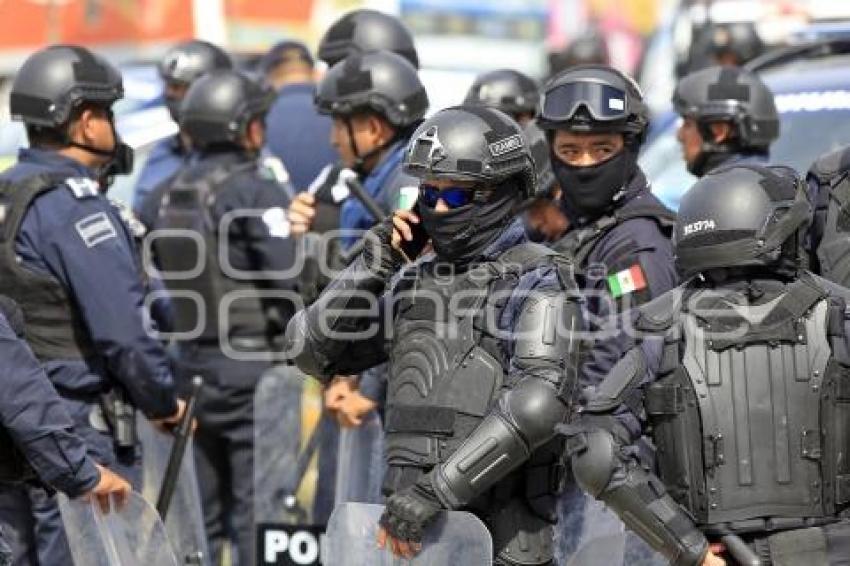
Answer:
(578, 243)
(202, 293)
(54, 327)
(751, 417)
(447, 364)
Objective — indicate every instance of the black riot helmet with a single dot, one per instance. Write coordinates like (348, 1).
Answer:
(379, 82)
(365, 31)
(183, 64)
(743, 216)
(187, 61)
(594, 98)
(484, 149)
(727, 94)
(587, 49)
(55, 82)
(507, 90)
(219, 107)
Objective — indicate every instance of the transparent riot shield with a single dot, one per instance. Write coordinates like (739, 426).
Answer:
(133, 536)
(287, 409)
(602, 539)
(455, 537)
(184, 522)
(360, 465)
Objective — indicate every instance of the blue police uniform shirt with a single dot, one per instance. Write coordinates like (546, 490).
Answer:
(80, 239)
(633, 242)
(33, 415)
(164, 161)
(298, 135)
(383, 183)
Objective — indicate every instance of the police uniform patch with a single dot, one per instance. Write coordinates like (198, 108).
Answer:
(275, 220)
(83, 187)
(95, 229)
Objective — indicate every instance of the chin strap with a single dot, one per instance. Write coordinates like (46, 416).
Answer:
(360, 159)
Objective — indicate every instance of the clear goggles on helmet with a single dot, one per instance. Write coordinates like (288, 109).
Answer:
(604, 102)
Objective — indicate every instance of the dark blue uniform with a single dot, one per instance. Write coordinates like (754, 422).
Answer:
(164, 160)
(298, 135)
(639, 246)
(75, 235)
(224, 441)
(37, 422)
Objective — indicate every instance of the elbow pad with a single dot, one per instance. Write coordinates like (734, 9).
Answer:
(638, 497)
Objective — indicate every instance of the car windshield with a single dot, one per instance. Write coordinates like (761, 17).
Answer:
(807, 132)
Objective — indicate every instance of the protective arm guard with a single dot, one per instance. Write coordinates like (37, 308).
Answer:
(525, 416)
(637, 496)
(342, 332)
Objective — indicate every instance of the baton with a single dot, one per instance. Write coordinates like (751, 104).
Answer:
(301, 465)
(370, 203)
(740, 551)
(178, 449)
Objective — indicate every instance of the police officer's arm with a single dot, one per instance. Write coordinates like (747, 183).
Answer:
(635, 249)
(542, 375)
(605, 465)
(36, 420)
(92, 255)
(343, 331)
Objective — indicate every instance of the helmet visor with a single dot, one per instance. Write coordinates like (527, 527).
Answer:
(604, 102)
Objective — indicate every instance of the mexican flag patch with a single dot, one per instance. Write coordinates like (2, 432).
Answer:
(626, 281)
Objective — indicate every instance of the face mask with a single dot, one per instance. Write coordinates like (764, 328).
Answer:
(460, 235)
(590, 191)
(120, 159)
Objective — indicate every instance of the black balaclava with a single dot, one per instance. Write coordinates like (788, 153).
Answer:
(460, 235)
(589, 192)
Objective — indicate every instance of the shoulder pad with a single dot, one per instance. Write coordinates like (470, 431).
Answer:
(617, 385)
(828, 166)
(137, 229)
(82, 187)
(659, 314)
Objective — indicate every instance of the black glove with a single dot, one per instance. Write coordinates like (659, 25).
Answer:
(409, 511)
(378, 254)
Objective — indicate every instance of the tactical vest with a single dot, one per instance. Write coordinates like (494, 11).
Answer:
(751, 414)
(54, 327)
(578, 243)
(833, 176)
(447, 366)
(201, 292)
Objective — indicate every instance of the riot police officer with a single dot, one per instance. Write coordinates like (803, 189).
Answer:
(38, 444)
(69, 260)
(510, 91)
(739, 377)
(618, 232)
(376, 101)
(365, 31)
(504, 382)
(728, 116)
(179, 68)
(238, 212)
